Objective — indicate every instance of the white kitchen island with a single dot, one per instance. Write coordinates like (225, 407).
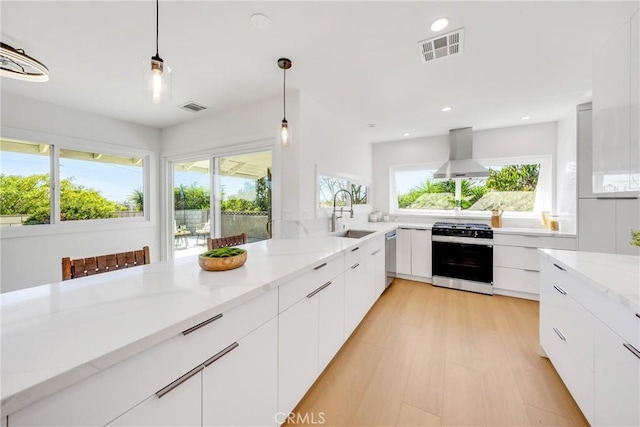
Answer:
(92, 350)
(590, 330)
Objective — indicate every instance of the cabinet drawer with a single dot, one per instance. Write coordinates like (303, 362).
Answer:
(356, 254)
(567, 336)
(514, 279)
(620, 318)
(523, 257)
(546, 242)
(300, 287)
(564, 320)
(104, 396)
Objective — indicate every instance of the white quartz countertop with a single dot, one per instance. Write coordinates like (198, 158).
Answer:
(616, 276)
(57, 334)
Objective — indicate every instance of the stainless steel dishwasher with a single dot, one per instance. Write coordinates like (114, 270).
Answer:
(390, 256)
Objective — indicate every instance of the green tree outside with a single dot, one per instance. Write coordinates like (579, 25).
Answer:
(30, 195)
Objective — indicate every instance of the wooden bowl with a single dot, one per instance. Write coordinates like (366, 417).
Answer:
(222, 264)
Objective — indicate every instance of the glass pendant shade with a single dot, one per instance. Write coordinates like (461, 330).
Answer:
(157, 80)
(284, 134)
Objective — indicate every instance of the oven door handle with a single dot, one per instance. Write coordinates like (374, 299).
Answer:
(462, 240)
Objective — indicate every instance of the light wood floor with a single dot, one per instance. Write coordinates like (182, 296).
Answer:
(428, 356)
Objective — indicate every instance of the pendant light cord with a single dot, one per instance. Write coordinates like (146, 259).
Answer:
(157, 24)
(284, 90)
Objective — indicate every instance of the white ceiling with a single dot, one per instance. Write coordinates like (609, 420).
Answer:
(357, 58)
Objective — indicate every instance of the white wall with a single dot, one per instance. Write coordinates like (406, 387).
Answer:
(529, 140)
(331, 147)
(319, 139)
(566, 183)
(28, 119)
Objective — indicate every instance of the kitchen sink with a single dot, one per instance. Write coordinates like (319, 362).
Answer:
(353, 234)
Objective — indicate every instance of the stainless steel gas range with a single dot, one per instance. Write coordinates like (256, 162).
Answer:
(462, 256)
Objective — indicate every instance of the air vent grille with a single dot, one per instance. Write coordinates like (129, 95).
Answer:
(193, 107)
(442, 46)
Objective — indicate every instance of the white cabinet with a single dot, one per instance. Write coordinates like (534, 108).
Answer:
(566, 335)
(132, 383)
(181, 406)
(358, 292)
(331, 321)
(634, 110)
(627, 218)
(310, 331)
(379, 267)
(239, 384)
(298, 352)
(403, 251)
(604, 225)
(617, 380)
(592, 341)
(516, 262)
(615, 117)
(414, 253)
(597, 225)
(585, 151)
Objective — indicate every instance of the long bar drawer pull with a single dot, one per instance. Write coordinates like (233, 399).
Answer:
(559, 289)
(179, 381)
(375, 252)
(638, 315)
(559, 334)
(220, 354)
(558, 267)
(355, 249)
(200, 325)
(632, 349)
(530, 270)
(320, 266)
(318, 290)
(354, 266)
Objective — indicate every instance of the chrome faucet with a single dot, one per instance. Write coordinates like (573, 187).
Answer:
(334, 217)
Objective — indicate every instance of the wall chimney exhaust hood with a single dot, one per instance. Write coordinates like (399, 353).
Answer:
(461, 163)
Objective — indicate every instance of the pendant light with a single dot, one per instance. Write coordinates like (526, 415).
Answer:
(284, 134)
(157, 74)
(16, 64)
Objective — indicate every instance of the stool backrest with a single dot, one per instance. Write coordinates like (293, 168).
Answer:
(103, 263)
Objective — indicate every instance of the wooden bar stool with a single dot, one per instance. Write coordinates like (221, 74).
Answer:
(103, 263)
(224, 242)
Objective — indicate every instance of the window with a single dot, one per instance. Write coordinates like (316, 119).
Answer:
(329, 186)
(25, 191)
(91, 185)
(513, 185)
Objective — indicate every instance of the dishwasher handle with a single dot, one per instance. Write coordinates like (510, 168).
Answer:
(391, 235)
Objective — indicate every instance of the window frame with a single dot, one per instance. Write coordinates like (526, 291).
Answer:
(546, 165)
(56, 226)
(350, 179)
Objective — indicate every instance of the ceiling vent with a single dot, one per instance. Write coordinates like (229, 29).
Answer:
(193, 107)
(442, 46)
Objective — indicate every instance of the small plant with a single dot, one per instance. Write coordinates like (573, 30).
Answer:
(635, 237)
(223, 253)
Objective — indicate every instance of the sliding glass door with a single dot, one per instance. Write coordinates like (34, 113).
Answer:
(218, 197)
(244, 194)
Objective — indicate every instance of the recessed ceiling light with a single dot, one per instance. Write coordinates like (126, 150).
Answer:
(439, 24)
(525, 118)
(260, 21)
(372, 125)
(445, 109)
(407, 134)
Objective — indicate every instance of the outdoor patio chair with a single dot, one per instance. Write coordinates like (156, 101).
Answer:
(103, 263)
(203, 230)
(223, 242)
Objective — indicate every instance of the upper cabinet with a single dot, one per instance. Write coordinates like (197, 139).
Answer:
(616, 147)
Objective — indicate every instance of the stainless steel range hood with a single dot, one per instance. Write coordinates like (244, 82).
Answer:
(461, 163)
